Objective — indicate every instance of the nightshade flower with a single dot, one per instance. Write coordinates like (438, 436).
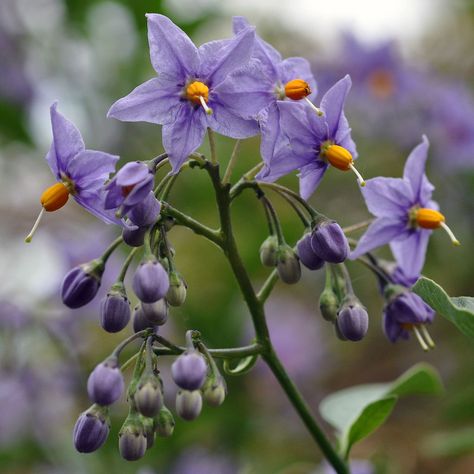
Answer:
(255, 90)
(79, 172)
(316, 140)
(186, 96)
(405, 213)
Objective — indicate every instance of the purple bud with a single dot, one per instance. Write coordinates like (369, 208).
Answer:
(132, 439)
(329, 242)
(149, 396)
(134, 237)
(189, 370)
(150, 281)
(164, 423)
(352, 320)
(288, 265)
(146, 212)
(157, 312)
(91, 430)
(140, 321)
(105, 384)
(188, 404)
(81, 284)
(306, 254)
(115, 309)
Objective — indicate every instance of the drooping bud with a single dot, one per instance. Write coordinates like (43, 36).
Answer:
(149, 396)
(105, 384)
(297, 89)
(115, 309)
(164, 423)
(328, 304)
(214, 391)
(176, 295)
(268, 251)
(188, 404)
(288, 265)
(329, 242)
(91, 429)
(134, 237)
(132, 438)
(157, 312)
(81, 284)
(140, 321)
(341, 158)
(150, 281)
(306, 253)
(352, 319)
(146, 212)
(189, 370)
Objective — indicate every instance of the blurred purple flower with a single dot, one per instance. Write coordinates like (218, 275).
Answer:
(12, 317)
(311, 137)
(186, 96)
(199, 461)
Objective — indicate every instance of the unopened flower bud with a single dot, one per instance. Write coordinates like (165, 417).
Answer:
(134, 237)
(115, 309)
(188, 404)
(146, 212)
(288, 265)
(176, 295)
(149, 430)
(132, 438)
(306, 254)
(268, 251)
(329, 304)
(352, 320)
(189, 370)
(214, 391)
(105, 384)
(157, 312)
(140, 321)
(164, 423)
(149, 397)
(91, 430)
(81, 284)
(329, 242)
(150, 281)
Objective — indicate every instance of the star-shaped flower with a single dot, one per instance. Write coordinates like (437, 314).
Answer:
(405, 214)
(186, 96)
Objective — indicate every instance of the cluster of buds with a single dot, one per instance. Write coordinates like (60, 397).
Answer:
(194, 372)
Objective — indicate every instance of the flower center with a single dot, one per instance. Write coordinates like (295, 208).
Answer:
(340, 158)
(198, 93)
(297, 89)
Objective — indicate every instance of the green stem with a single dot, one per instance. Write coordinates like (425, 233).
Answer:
(225, 353)
(232, 162)
(126, 264)
(212, 145)
(359, 225)
(267, 287)
(274, 218)
(141, 334)
(110, 249)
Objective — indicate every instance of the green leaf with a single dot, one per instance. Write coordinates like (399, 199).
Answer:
(358, 411)
(459, 310)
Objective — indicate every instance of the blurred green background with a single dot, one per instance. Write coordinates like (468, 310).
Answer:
(89, 53)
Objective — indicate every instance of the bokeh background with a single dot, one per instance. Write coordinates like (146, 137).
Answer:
(412, 66)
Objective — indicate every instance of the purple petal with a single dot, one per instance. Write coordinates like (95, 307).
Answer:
(414, 172)
(310, 177)
(380, 232)
(184, 135)
(332, 103)
(391, 328)
(94, 203)
(410, 253)
(227, 123)
(297, 68)
(67, 142)
(172, 53)
(154, 101)
(343, 137)
(386, 197)
(271, 133)
(222, 57)
(90, 167)
(132, 173)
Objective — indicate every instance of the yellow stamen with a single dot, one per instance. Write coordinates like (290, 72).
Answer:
(198, 93)
(52, 199)
(432, 219)
(420, 339)
(341, 159)
(318, 111)
(297, 89)
(427, 336)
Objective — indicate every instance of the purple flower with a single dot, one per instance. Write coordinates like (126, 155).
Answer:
(134, 236)
(90, 431)
(352, 321)
(315, 140)
(146, 212)
(188, 404)
(115, 309)
(186, 96)
(150, 281)
(132, 439)
(130, 187)
(189, 370)
(255, 90)
(81, 284)
(81, 172)
(329, 242)
(405, 214)
(307, 255)
(105, 384)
